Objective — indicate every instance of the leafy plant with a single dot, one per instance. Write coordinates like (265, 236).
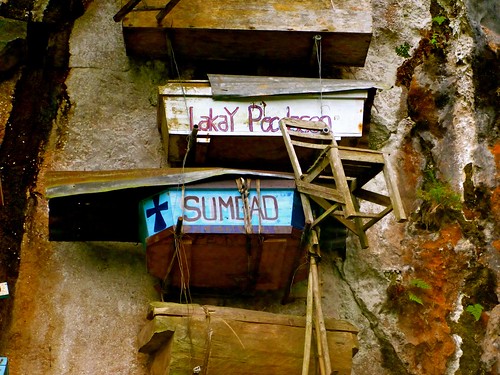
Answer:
(415, 298)
(434, 39)
(439, 194)
(403, 50)
(439, 19)
(420, 284)
(476, 310)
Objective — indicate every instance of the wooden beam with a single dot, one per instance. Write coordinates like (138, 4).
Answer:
(341, 182)
(319, 317)
(320, 191)
(126, 9)
(308, 335)
(163, 13)
(373, 197)
(392, 187)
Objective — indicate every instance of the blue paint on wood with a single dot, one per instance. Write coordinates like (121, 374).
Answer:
(4, 366)
(221, 210)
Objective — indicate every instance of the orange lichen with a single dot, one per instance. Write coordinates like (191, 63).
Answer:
(425, 326)
(422, 107)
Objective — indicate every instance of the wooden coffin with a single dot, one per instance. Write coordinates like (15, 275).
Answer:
(237, 117)
(103, 205)
(215, 249)
(222, 340)
(250, 32)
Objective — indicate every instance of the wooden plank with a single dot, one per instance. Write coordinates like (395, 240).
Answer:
(308, 145)
(224, 345)
(319, 318)
(271, 264)
(371, 196)
(168, 8)
(319, 165)
(236, 30)
(392, 187)
(153, 336)
(126, 9)
(291, 151)
(360, 230)
(308, 336)
(341, 181)
(250, 316)
(375, 220)
(257, 116)
(230, 86)
(326, 205)
(320, 191)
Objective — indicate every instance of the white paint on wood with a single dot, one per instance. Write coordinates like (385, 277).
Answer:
(189, 105)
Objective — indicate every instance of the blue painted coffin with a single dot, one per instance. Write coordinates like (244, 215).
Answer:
(4, 366)
(215, 249)
(219, 208)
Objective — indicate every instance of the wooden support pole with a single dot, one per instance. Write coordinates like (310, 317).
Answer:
(392, 187)
(178, 226)
(126, 9)
(308, 336)
(319, 317)
(163, 13)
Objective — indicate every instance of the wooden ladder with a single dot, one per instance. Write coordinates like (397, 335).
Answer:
(336, 177)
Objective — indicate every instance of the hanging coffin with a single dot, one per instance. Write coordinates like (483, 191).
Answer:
(273, 32)
(236, 118)
(226, 241)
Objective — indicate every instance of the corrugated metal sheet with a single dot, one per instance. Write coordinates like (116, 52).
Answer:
(230, 86)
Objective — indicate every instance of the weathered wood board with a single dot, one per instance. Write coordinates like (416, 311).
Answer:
(226, 263)
(271, 31)
(242, 128)
(224, 340)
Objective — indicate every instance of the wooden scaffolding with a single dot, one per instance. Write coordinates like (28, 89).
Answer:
(336, 178)
(334, 181)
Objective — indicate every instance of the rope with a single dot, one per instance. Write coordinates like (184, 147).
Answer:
(260, 206)
(243, 187)
(317, 44)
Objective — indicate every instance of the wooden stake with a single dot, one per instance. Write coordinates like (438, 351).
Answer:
(319, 317)
(307, 343)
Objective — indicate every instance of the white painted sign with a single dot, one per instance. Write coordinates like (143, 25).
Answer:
(341, 112)
(4, 290)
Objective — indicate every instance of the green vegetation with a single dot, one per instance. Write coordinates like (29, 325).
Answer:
(439, 194)
(439, 19)
(403, 50)
(415, 298)
(476, 310)
(420, 284)
(417, 284)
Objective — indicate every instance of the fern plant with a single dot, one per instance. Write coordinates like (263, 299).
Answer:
(476, 310)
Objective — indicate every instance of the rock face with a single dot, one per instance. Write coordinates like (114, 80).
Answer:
(424, 294)
(12, 44)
